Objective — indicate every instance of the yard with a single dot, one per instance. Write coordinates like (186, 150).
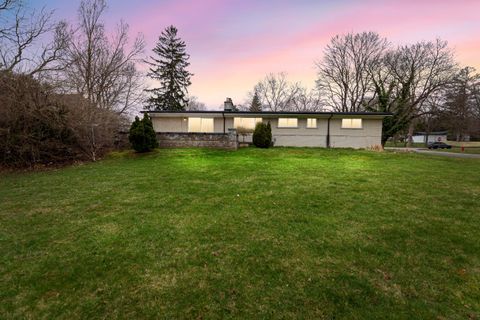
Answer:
(277, 233)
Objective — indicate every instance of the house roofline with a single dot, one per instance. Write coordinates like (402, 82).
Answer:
(386, 114)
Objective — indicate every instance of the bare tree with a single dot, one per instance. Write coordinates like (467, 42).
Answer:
(343, 73)
(307, 100)
(7, 7)
(5, 4)
(23, 39)
(404, 79)
(419, 71)
(32, 128)
(276, 93)
(195, 105)
(431, 113)
(476, 98)
(104, 70)
(476, 95)
(93, 128)
(461, 103)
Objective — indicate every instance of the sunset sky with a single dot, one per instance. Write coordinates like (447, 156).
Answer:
(233, 44)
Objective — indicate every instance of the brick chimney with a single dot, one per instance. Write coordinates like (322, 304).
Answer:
(228, 105)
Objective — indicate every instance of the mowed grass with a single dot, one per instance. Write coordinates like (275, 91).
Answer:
(470, 150)
(471, 147)
(277, 233)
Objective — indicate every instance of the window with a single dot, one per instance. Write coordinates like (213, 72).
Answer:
(311, 123)
(200, 124)
(351, 123)
(287, 122)
(247, 123)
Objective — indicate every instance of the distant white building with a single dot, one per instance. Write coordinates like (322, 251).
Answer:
(427, 137)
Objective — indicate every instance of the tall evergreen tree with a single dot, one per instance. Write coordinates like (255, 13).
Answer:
(168, 66)
(256, 105)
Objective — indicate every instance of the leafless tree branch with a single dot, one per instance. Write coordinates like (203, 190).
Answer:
(21, 37)
(104, 70)
(343, 73)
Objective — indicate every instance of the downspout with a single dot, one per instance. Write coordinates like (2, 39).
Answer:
(223, 115)
(328, 130)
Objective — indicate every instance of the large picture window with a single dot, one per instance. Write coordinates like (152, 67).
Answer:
(200, 124)
(246, 123)
(351, 123)
(311, 123)
(287, 122)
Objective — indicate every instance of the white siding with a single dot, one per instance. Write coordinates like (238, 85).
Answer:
(369, 135)
(301, 136)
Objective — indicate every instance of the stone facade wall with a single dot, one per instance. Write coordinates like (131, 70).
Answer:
(203, 140)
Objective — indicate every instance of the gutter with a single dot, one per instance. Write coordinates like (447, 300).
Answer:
(223, 115)
(385, 114)
(328, 130)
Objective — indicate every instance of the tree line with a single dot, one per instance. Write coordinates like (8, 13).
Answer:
(417, 83)
(420, 84)
(66, 90)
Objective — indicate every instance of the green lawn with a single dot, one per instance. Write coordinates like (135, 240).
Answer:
(470, 150)
(470, 147)
(403, 145)
(277, 233)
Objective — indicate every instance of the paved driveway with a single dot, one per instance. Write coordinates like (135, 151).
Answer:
(437, 153)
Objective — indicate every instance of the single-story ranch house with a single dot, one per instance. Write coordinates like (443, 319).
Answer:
(298, 129)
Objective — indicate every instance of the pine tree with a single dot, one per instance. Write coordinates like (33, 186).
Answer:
(256, 105)
(262, 136)
(142, 135)
(150, 135)
(268, 134)
(169, 68)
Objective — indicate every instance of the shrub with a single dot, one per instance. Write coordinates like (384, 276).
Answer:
(33, 127)
(94, 128)
(40, 126)
(376, 147)
(244, 132)
(262, 135)
(142, 135)
(269, 134)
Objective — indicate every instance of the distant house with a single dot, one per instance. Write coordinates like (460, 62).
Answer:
(427, 137)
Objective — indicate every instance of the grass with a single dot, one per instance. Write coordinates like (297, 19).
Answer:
(469, 150)
(471, 147)
(277, 233)
(403, 144)
(466, 144)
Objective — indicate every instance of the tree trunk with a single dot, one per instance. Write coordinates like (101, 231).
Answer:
(411, 128)
(427, 136)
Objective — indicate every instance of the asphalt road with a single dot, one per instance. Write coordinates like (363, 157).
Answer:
(437, 153)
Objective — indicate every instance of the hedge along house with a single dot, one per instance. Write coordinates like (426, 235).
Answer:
(296, 129)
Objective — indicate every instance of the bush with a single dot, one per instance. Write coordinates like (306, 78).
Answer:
(33, 126)
(40, 126)
(262, 135)
(142, 135)
(94, 128)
